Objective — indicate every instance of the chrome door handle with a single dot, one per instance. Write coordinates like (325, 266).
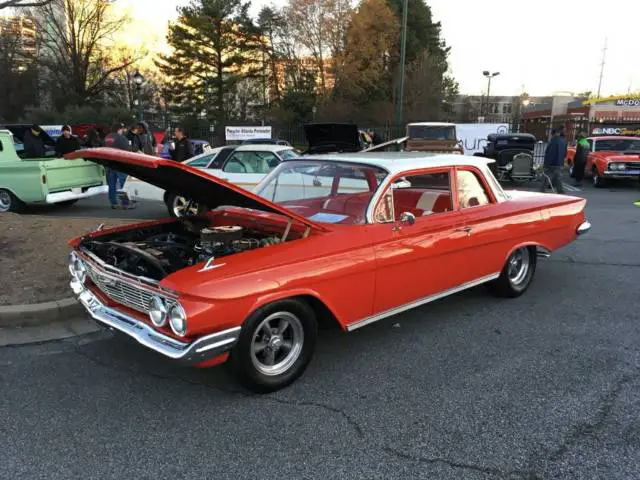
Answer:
(467, 230)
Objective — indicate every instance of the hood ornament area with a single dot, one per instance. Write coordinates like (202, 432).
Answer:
(210, 266)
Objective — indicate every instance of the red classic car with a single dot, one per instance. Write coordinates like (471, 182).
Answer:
(610, 158)
(346, 238)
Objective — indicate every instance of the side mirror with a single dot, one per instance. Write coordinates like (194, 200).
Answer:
(406, 219)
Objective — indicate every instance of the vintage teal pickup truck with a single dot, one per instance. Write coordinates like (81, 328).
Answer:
(43, 180)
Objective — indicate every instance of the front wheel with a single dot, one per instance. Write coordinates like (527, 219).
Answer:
(517, 274)
(598, 180)
(9, 202)
(181, 207)
(275, 346)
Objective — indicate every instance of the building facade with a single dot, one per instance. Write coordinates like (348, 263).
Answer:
(20, 33)
(619, 115)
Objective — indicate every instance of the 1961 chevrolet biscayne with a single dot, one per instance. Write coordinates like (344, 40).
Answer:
(348, 238)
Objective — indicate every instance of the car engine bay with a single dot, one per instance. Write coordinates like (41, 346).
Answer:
(157, 251)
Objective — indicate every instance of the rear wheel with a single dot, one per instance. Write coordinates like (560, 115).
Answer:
(275, 346)
(179, 206)
(517, 274)
(9, 202)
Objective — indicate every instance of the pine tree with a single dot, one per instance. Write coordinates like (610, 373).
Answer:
(215, 45)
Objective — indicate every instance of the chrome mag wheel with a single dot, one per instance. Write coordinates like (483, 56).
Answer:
(277, 343)
(518, 266)
(183, 207)
(5, 201)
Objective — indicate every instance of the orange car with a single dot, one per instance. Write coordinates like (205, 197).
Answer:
(609, 158)
(346, 238)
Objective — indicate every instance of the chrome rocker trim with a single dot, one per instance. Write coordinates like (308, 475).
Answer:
(422, 301)
(203, 349)
(583, 228)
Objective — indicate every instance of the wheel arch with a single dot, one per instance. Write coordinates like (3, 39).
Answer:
(325, 315)
(540, 249)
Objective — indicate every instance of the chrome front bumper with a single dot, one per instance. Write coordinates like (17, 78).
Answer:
(621, 173)
(201, 350)
(583, 228)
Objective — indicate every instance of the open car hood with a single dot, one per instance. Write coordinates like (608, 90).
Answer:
(186, 181)
(332, 137)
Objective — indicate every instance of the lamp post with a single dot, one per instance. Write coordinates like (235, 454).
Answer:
(403, 55)
(138, 79)
(489, 76)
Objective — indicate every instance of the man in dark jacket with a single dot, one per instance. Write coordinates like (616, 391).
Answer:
(67, 143)
(580, 159)
(181, 149)
(554, 158)
(134, 137)
(34, 143)
(116, 139)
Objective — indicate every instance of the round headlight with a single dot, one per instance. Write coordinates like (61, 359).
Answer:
(178, 320)
(508, 166)
(77, 267)
(158, 312)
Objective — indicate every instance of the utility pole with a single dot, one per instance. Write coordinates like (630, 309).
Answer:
(403, 56)
(604, 58)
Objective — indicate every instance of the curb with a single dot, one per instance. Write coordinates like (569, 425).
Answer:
(37, 314)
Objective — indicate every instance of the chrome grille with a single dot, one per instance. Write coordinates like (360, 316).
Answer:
(120, 291)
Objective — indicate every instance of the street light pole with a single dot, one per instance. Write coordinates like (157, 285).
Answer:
(489, 76)
(403, 56)
(138, 79)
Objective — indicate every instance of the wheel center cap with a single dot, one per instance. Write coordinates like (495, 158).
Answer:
(275, 342)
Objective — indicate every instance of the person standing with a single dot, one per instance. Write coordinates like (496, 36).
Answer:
(134, 137)
(117, 140)
(34, 143)
(182, 149)
(149, 142)
(67, 143)
(580, 159)
(554, 158)
(93, 139)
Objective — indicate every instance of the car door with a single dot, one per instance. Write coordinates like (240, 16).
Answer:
(487, 224)
(247, 168)
(415, 262)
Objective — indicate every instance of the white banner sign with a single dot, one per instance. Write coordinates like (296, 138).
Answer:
(472, 137)
(53, 130)
(246, 133)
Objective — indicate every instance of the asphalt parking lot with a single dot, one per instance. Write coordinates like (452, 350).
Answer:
(544, 386)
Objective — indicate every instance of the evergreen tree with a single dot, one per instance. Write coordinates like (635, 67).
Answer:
(215, 45)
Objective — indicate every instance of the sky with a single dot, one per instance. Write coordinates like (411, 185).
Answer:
(540, 47)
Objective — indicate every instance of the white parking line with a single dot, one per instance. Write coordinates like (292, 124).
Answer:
(571, 188)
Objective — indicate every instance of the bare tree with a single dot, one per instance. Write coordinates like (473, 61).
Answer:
(76, 40)
(23, 3)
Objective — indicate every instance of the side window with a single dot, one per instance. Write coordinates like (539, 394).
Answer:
(236, 164)
(201, 162)
(471, 192)
(422, 195)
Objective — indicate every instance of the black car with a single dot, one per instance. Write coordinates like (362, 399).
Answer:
(513, 153)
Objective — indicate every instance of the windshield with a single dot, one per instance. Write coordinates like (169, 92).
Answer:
(431, 132)
(618, 145)
(323, 191)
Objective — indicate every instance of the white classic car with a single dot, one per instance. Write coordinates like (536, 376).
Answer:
(244, 165)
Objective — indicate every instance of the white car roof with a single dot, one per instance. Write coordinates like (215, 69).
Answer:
(398, 162)
(262, 148)
(431, 124)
